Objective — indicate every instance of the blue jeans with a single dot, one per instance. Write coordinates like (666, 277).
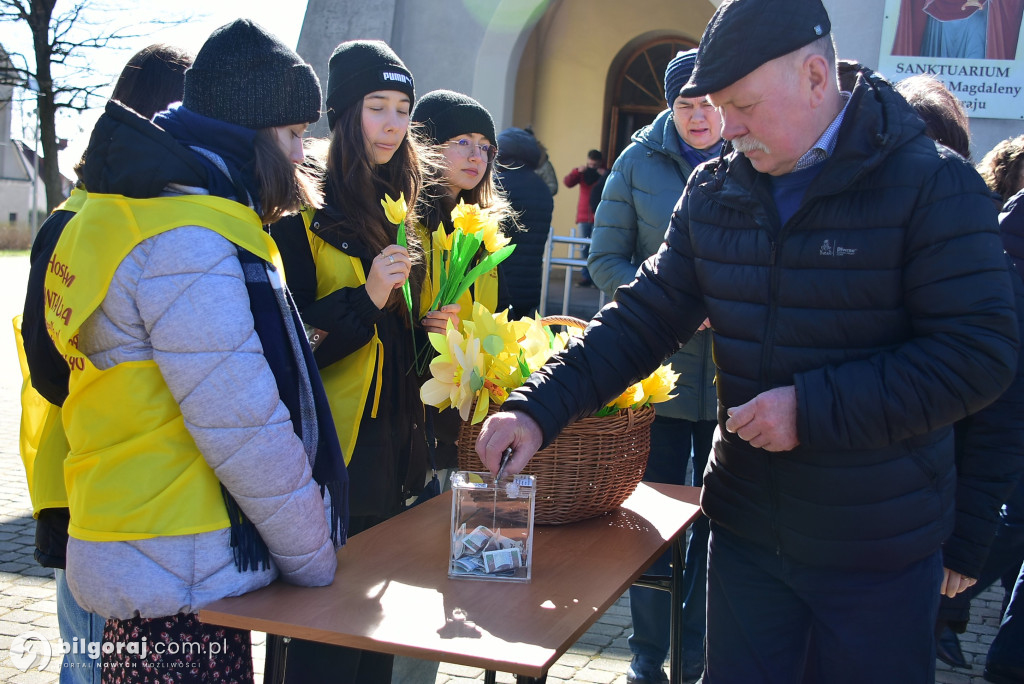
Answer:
(774, 620)
(673, 441)
(74, 621)
(1007, 649)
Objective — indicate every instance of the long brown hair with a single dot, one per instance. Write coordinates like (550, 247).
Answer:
(284, 187)
(355, 185)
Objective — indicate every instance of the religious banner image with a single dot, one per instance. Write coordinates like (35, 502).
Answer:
(972, 46)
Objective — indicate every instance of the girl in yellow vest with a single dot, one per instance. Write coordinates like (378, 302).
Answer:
(461, 132)
(199, 433)
(345, 270)
(153, 78)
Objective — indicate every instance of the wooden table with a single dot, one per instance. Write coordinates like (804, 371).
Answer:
(392, 593)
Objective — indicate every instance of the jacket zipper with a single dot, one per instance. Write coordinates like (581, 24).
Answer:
(773, 489)
(703, 390)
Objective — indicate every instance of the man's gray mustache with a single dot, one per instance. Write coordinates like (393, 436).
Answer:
(749, 144)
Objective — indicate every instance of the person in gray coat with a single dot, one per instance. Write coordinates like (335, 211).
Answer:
(645, 183)
(199, 465)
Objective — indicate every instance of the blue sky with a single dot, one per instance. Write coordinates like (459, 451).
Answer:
(281, 17)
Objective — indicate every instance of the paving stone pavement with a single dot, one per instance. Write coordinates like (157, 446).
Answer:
(27, 591)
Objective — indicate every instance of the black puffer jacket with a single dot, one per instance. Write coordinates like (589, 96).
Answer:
(1011, 225)
(885, 300)
(990, 443)
(989, 463)
(531, 200)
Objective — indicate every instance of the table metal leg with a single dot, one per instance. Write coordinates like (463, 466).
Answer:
(675, 667)
(274, 663)
(673, 585)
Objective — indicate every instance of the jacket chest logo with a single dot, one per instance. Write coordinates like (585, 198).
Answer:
(830, 248)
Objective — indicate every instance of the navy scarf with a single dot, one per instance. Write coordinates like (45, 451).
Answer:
(277, 323)
(227, 153)
(695, 157)
(232, 145)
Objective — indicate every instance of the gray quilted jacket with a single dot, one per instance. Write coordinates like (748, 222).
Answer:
(643, 187)
(180, 299)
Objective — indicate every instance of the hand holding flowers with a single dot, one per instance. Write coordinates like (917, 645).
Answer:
(388, 271)
(437, 321)
(396, 210)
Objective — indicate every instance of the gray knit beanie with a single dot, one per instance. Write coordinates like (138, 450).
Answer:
(445, 114)
(360, 67)
(245, 76)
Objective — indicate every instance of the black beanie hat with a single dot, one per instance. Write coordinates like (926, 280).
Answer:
(744, 34)
(360, 67)
(245, 76)
(445, 114)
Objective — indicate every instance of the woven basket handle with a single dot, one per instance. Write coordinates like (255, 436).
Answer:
(571, 321)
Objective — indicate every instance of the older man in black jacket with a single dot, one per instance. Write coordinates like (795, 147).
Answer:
(861, 303)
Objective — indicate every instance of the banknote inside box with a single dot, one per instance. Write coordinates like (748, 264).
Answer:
(492, 527)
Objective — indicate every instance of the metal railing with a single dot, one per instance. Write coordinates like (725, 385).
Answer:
(574, 245)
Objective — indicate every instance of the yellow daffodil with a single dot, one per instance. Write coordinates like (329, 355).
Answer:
(497, 335)
(457, 372)
(442, 240)
(633, 395)
(395, 209)
(469, 218)
(658, 386)
(504, 375)
(494, 239)
(533, 340)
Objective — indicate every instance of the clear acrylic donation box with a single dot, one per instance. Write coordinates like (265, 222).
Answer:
(492, 527)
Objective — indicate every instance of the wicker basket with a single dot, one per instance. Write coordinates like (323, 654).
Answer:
(589, 469)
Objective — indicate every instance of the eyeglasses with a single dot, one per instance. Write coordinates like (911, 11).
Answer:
(467, 148)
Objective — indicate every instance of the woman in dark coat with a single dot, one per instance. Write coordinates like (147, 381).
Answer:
(518, 156)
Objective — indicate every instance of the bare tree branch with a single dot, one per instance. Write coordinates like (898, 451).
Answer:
(63, 42)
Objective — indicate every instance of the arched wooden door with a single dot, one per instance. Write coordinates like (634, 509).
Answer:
(638, 92)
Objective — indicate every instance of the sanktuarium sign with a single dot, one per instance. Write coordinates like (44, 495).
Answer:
(972, 46)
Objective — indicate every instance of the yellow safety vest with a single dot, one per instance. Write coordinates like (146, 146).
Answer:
(41, 437)
(133, 471)
(346, 381)
(484, 289)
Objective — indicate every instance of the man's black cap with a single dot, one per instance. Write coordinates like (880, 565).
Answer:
(744, 34)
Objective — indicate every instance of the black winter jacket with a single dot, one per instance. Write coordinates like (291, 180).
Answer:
(989, 463)
(990, 443)
(1011, 225)
(885, 300)
(531, 200)
(389, 461)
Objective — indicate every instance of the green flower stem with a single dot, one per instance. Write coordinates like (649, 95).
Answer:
(402, 241)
